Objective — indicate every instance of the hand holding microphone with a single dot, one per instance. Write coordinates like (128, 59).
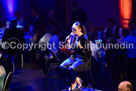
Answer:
(67, 40)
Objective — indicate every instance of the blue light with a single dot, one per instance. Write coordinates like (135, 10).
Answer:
(9, 6)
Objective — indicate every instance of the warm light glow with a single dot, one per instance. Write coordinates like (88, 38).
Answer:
(125, 11)
(125, 23)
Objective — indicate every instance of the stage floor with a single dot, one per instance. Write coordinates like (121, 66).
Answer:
(31, 78)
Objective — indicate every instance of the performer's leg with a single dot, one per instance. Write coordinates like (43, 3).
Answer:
(66, 63)
(74, 68)
(63, 71)
(73, 72)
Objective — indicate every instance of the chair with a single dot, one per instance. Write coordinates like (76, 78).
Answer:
(8, 79)
(88, 72)
(118, 68)
(52, 56)
(13, 51)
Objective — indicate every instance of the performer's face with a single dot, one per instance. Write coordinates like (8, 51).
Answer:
(76, 29)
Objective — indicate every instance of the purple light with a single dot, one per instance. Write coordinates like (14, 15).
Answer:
(9, 6)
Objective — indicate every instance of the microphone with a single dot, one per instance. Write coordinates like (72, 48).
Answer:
(71, 34)
(68, 37)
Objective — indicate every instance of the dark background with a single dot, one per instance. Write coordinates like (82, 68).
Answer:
(98, 11)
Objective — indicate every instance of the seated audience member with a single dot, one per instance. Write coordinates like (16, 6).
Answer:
(34, 37)
(56, 38)
(120, 40)
(112, 60)
(13, 32)
(5, 68)
(132, 28)
(111, 29)
(110, 51)
(94, 48)
(96, 60)
(37, 23)
(53, 45)
(45, 40)
(19, 19)
(92, 30)
(125, 86)
(46, 37)
(131, 52)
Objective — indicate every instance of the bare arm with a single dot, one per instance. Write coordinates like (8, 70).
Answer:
(2, 70)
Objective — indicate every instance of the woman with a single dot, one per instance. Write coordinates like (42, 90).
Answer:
(79, 58)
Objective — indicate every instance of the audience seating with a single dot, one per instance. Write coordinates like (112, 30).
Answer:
(118, 69)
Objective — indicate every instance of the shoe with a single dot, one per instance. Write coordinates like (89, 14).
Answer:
(73, 88)
(79, 86)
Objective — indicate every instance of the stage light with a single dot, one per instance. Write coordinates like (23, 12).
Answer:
(125, 7)
(9, 6)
